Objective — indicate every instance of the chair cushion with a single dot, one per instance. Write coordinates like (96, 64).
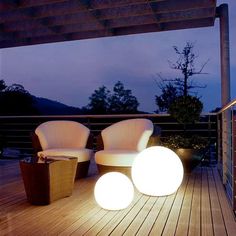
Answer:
(82, 154)
(115, 157)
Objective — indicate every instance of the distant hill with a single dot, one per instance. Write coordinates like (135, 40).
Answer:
(49, 107)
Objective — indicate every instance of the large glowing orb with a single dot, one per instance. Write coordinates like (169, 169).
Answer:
(114, 191)
(157, 171)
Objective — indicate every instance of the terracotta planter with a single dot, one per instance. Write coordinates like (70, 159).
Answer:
(189, 157)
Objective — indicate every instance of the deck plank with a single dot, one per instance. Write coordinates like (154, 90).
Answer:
(139, 219)
(160, 222)
(127, 220)
(206, 217)
(184, 217)
(117, 219)
(195, 215)
(172, 220)
(199, 207)
(229, 218)
(217, 218)
(153, 214)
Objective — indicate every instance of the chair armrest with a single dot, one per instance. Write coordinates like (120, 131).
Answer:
(155, 138)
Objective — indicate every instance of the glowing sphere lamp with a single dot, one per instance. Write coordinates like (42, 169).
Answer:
(157, 171)
(114, 191)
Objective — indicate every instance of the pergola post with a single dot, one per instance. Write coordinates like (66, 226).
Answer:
(224, 51)
(222, 13)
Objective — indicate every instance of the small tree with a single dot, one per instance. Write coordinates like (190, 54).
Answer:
(186, 109)
(168, 95)
(186, 65)
(102, 101)
(180, 86)
(122, 100)
(99, 101)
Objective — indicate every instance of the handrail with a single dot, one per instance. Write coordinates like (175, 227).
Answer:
(99, 116)
(228, 105)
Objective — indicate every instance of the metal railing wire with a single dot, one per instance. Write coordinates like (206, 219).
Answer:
(226, 139)
(15, 131)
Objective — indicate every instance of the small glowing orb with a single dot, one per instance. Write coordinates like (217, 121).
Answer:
(114, 191)
(157, 171)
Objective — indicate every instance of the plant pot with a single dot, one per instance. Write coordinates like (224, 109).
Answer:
(189, 157)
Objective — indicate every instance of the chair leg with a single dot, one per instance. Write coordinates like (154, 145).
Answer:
(82, 169)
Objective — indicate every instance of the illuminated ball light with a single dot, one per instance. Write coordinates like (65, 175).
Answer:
(114, 191)
(157, 171)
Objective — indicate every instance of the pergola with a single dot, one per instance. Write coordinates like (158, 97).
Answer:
(30, 22)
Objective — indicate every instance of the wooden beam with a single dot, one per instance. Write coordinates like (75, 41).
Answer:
(95, 15)
(72, 7)
(104, 33)
(91, 23)
(8, 5)
(38, 29)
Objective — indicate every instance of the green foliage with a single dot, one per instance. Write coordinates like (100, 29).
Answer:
(186, 109)
(102, 101)
(15, 100)
(169, 94)
(122, 100)
(180, 141)
(99, 101)
(2, 85)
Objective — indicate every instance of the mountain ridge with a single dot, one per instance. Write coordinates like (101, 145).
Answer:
(47, 106)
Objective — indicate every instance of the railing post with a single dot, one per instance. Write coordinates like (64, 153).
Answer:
(222, 13)
(226, 142)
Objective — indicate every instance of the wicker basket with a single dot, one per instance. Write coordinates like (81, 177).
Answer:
(49, 181)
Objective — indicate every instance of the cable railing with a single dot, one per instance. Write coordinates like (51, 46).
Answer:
(15, 131)
(226, 135)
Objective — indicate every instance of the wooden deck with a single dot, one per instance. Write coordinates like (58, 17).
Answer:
(199, 207)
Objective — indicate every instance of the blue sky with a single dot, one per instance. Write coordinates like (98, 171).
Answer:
(69, 72)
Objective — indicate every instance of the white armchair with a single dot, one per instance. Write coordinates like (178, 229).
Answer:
(122, 142)
(65, 139)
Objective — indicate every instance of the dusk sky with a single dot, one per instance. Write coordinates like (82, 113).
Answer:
(69, 72)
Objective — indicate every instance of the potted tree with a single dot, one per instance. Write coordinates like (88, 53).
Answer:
(186, 110)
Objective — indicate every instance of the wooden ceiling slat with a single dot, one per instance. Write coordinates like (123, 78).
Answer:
(26, 22)
(104, 33)
(35, 3)
(163, 27)
(94, 15)
(72, 7)
(9, 5)
(90, 23)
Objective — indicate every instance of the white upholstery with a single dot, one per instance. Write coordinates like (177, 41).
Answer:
(130, 134)
(82, 154)
(123, 141)
(122, 158)
(64, 138)
(62, 134)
